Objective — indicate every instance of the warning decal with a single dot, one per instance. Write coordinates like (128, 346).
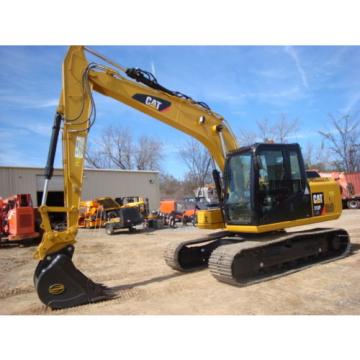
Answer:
(79, 147)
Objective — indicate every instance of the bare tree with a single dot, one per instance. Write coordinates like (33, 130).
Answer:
(148, 154)
(270, 131)
(343, 142)
(170, 187)
(116, 149)
(317, 157)
(308, 155)
(247, 137)
(279, 131)
(265, 130)
(96, 158)
(285, 128)
(198, 162)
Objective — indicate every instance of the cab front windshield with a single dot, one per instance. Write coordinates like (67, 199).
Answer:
(237, 202)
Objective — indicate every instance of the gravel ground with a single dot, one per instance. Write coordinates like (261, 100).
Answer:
(133, 265)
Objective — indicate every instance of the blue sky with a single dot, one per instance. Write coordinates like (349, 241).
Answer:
(243, 83)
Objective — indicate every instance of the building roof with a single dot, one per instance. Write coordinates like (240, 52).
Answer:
(86, 169)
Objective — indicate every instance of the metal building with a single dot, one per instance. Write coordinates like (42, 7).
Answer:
(97, 183)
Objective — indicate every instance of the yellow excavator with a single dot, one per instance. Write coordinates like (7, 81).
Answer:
(262, 190)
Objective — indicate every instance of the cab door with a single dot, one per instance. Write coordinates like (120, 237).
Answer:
(282, 192)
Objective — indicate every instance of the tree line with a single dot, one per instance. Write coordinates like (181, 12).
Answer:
(337, 150)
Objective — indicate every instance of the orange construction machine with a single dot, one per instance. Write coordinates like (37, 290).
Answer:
(349, 187)
(90, 214)
(178, 211)
(95, 213)
(18, 218)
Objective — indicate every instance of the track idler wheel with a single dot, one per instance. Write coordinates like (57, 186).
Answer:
(59, 284)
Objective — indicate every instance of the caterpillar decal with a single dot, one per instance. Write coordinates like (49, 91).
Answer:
(155, 102)
(317, 203)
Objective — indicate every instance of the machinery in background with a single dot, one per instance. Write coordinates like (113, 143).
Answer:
(175, 211)
(97, 212)
(155, 220)
(135, 201)
(119, 217)
(90, 215)
(189, 207)
(312, 174)
(349, 187)
(206, 197)
(169, 210)
(19, 220)
(106, 212)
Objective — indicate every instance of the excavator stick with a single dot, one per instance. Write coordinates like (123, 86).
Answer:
(59, 284)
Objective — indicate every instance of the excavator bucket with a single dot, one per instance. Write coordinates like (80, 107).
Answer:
(59, 284)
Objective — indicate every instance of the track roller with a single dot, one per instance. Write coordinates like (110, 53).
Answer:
(260, 259)
(59, 284)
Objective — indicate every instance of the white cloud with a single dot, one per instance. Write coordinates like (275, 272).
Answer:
(337, 57)
(12, 154)
(352, 101)
(153, 70)
(294, 55)
(280, 96)
(303, 134)
(270, 74)
(46, 103)
(23, 128)
(27, 102)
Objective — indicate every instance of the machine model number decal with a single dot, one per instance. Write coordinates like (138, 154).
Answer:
(317, 203)
(152, 101)
(79, 147)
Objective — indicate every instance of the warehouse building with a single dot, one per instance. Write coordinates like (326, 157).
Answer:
(97, 183)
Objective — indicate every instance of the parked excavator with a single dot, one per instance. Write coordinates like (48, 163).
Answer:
(262, 190)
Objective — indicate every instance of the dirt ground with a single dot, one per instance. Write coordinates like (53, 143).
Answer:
(133, 265)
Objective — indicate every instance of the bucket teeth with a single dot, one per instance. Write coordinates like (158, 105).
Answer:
(99, 291)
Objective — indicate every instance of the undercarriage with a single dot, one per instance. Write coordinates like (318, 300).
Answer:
(244, 259)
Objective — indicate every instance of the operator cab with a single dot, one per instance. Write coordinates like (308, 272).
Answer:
(265, 184)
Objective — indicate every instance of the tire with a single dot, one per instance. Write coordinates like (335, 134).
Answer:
(193, 221)
(353, 204)
(132, 229)
(172, 222)
(109, 229)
